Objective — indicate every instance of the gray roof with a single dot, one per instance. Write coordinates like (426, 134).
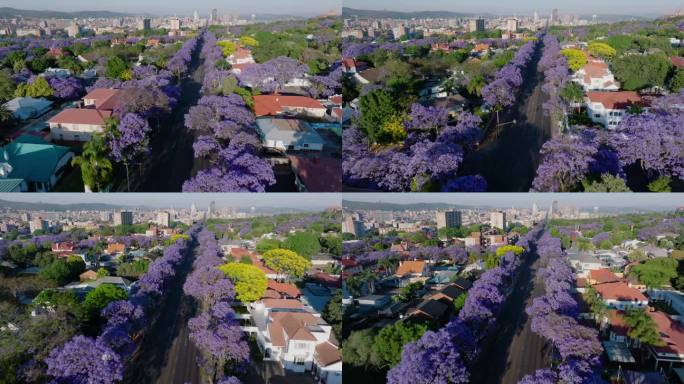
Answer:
(288, 130)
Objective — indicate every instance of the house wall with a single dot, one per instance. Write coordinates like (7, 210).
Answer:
(610, 118)
(73, 132)
(298, 356)
(619, 304)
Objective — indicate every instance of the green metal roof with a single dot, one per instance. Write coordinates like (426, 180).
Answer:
(33, 160)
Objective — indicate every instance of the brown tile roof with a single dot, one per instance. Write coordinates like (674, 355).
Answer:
(327, 354)
(595, 69)
(410, 267)
(600, 276)
(677, 61)
(619, 291)
(242, 53)
(292, 325)
(270, 105)
(81, 116)
(105, 98)
(617, 322)
(282, 303)
(318, 174)
(288, 289)
(615, 100)
(671, 332)
(116, 247)
(271, 294)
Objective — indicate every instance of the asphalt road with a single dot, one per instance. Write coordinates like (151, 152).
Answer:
(166, 355)
(173, 160)
(508, 156)
(513, 350)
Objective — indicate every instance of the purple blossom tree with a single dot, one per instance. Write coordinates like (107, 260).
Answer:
(84, 361)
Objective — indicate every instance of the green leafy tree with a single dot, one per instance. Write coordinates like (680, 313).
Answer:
(116, 67)
(63, 271)
(638, 72)
(459, 302)
(102, 272)
(661, 184)
(676, 83)
(392, 130)
(303, 243)
(390, 341)
(7, 86)
(333, 312)
(573, 93)
(96, 168)
(97, 299)
(39, 88)
(287, 262)
(607, 183)
(358, 349)
(377, 107)
(642, 327)
(655, 273)
(597, 307)
(475, 85)
(331, 244)
(133, 269)
(265, 245)
(250, 281)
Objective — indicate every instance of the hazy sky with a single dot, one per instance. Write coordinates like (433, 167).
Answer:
(619, 7)
(665, 200)
(304, 7)
(181, 200)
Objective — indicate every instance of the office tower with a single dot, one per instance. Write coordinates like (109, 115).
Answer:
(512, 25)
(38, 224)
(164, 218)
(123, 218)
(476, 25)
(448, 219)
(355, 227)
(498, 220)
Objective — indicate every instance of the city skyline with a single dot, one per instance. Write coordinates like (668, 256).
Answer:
(631, 200)
(301, 7)
(613, 7)
(312, 201)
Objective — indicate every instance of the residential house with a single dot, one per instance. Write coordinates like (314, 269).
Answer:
(282, 105)
(37, 166)
(672, 333)
(431, 310)
(58, 72)
(317, 174)
(677, 61)
(86, 286)
(241, 56)
(116, 248)
(289, 332)
(652, 251)
(63, 247)
(601, 276)
(374, 301)
(88, 275)
(350, 65)
(368, 76)
(284, 290)
(608, 108)
(79, 124)
(619, 295)
(596, 76)
(411, 271)
(24, 108)
(583, 261)
(673, 298)
(328, 363)
(289, 135)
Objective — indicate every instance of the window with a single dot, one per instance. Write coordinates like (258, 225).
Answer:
(306, 145)
(596, 115)
(299, 360)
(301, 345)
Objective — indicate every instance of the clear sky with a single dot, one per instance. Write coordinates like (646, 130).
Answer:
(619, 7)
(181, 200)
(292, 7)
(664, 200)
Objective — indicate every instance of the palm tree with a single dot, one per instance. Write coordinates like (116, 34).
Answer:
(475, 85)
(96, 169)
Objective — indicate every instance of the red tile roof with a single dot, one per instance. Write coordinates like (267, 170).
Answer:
(271, 105)
(282, 303)
(410, 267)
(615, 100)
(287, 289)
(677, 61)
(619, 291)
(242, 53)
(671, 332)
(327, 354)
(81, 116)
(617, 322)
(104, 98)
(318, 174)
(600, 276)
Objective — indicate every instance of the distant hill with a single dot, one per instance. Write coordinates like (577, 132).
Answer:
(367, 205)
(379, 14)
(12, 13)
(38, 206)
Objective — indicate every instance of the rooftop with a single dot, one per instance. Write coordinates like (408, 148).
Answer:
(265, 105)
(86, 116)
(615, 100)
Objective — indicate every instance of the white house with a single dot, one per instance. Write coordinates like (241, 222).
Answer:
(619, 295)
(288, 134)
(58, 72)
(290, 332)
(608, 108)
(596, 76)
(279, 105)
(241, 56)
(77, 124)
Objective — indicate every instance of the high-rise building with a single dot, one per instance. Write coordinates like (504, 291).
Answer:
(448, 219)
(355, 227)
(213, 17)
(123, 218)
(211, 210)
(398, 32)
(105, 216)
(145, 24)
(555, 19)
(497, 219)
(38, 224)
(512, 25)
(536, 17)
(73, 30)
(195, 17)
(175, 24)
(193, 210)
(476, 25)
(164, 218)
